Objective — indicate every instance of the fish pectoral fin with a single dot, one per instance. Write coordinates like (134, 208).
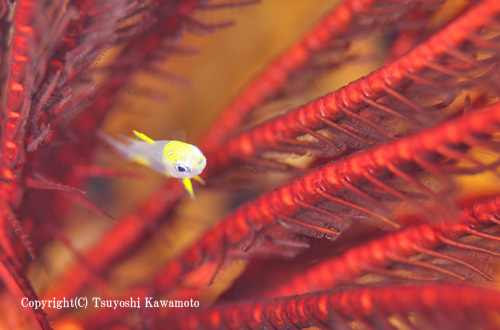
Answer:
(200, 180)
(143, 137)
(189, 187)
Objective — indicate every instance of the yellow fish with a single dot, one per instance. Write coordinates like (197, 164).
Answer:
(174, 158)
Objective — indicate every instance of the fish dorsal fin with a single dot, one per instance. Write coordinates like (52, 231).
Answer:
(179, 135)
(143, 137)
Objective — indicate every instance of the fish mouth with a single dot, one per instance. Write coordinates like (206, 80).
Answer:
(202, 162)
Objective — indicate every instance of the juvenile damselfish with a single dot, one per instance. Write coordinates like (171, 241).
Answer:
(173, 158)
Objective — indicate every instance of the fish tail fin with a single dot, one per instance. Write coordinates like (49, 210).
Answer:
(110, 141)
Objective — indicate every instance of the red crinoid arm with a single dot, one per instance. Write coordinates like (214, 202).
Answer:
(442, 306)
(27, 293)
(28, 29)
(5, 25)
(18, 101)
(95, 29)
(64, 48)
(403, 96)
(379, 255)
(228, 4)
(144, 47)
(348, 188)
(326, 199)
(334, 32)
(79, 33)
(76, 53)
(9, 218)
(92, 30)
(131, 229)
(117, 243)
(88, 29)
(101, 21)
(98, 171)
(20, 287)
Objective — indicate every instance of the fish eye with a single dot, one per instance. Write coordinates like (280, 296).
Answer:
(181, 169)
